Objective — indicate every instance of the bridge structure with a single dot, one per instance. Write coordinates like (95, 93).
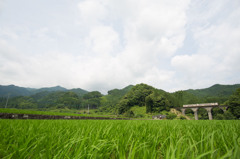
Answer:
(207, 106)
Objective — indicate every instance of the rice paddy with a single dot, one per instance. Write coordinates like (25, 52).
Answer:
(123, 139)
(27, 111)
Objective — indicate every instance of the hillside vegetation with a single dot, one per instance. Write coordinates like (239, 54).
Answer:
(14, 91)
(117, 101)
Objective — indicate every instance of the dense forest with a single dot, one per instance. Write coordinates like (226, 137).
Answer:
(118, 101)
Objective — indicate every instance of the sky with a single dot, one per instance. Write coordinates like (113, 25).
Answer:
(106, 44)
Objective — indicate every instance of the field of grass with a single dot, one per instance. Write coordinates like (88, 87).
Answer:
(60, 112)
(114, 139)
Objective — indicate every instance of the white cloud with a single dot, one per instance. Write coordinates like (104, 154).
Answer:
(217, 57)
(194, 64)
(92, 11)
(102, 40)
(121, 42)
(150, 33)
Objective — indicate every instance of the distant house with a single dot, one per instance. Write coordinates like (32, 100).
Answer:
(160, 116)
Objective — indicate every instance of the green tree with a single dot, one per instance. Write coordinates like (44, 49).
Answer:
(93, 99)
(234, 104)
(149, 104)
(136, 96)
(171, 116)
(219, 117)
(156, 102)
(229, 116)
(129, 114)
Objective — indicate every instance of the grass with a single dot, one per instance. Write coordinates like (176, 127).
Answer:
(61, 112)
(119, 139)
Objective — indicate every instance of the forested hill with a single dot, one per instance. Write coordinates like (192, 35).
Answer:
(116, 101)
(14, 91)
(216, 90)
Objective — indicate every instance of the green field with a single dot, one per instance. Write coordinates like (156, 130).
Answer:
(119, 139)
(59, 112)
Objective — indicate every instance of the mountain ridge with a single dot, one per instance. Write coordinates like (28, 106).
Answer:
(214, 90)
(13, 90)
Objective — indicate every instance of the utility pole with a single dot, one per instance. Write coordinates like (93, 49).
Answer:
(88, 108)
(7, 101)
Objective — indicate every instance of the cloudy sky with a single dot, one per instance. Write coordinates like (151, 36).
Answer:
(106, 44)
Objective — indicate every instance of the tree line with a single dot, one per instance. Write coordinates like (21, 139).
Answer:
(120, 101)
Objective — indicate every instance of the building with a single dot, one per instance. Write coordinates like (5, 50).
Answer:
(159, 116)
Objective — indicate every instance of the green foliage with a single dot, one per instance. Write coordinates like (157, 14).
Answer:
(91, 95)
(136, 96)
(202, 114)
(155, 102)
(92, 99)
(144, 95)
(226, 116)
(138, 110)
(183, 97)
(22, 103)
(182, 118)
(216, 111)
(149, 104)
(65, 99)
(216, 93)
(129, 114)
(229, 116)
(13, 91)
(189, 111)
(119, 139)
(138, 93)
(109, 102)
(139, 116)
(216, 90)
(45, 100)
(80, 92)
(234, 104)
(119, 101)
(219, 117)
(171, 116)
(63, 112)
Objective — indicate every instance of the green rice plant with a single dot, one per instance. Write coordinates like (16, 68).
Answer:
(119, 139)
(27, 111)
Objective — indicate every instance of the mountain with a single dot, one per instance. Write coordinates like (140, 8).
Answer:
(114, 96)
(13, 90)
(51, 89)
(216, 90)
(120, 92)
(216, 93)
(116, 101)
(78, 91)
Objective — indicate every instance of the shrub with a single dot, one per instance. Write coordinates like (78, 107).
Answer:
(182, 118)
(129, 114)
(229, 116)
(219, 117)
(139, 116)
(171, 116)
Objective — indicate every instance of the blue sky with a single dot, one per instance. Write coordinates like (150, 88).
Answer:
(106, 44)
